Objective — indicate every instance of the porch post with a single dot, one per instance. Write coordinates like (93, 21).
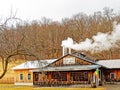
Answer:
(68, 76)
(50, 76)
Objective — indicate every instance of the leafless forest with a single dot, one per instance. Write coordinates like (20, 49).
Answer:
(41, 39)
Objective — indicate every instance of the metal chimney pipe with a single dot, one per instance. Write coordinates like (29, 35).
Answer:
(69, 51)
(64, 51)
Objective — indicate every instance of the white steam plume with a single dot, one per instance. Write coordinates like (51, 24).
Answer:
(99, 42)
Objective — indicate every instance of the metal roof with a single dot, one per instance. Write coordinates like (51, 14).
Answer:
(43, 63)
(111, 64)
(69, 68)
(34, 64)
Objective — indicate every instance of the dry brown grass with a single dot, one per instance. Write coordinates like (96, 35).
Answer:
(9, 76)
(13, 87)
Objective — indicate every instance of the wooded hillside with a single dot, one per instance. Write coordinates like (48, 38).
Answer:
(43, 37)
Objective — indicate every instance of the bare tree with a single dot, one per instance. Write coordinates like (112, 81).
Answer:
(13, 43)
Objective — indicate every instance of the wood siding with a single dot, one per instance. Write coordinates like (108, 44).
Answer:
(78, 61)
(25, 76)
(65, 77)
(114, 71)
(61, 78)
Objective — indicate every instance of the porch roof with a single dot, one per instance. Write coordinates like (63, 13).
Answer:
(68, 68)
(111, 64)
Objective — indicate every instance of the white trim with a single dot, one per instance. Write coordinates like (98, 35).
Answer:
(114, 75)
(17, 83)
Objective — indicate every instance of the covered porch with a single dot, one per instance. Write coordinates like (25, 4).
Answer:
(65, 75)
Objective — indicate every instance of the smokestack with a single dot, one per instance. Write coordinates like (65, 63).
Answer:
(69, 50)
(66, 45)
(65, 50)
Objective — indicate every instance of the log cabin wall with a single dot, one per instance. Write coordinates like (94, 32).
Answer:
(63, 77)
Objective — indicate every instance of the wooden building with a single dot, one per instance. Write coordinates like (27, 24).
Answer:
(75, 68)
(112, 71)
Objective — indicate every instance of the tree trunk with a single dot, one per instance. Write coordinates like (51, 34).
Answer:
(5, 68)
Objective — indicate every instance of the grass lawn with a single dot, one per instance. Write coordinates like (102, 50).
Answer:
(13, 87)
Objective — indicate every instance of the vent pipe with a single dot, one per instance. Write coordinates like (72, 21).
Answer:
(66, 50)
(69, 51)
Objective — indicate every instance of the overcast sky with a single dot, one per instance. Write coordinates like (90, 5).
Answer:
(54, 9)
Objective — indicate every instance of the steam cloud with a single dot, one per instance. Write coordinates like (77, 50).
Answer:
(99, 42)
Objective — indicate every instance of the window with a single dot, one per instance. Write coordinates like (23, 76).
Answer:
(36, 76)
(21, 76)
(60, 76)
(112, 75)
(79, 76)
(29, 76)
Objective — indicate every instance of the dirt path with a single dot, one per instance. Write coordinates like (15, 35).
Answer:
(112, 87)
